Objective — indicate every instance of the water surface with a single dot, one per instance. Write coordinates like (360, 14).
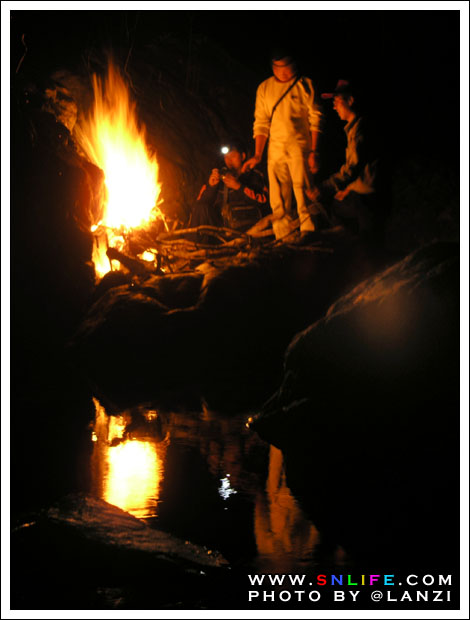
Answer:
(206, 477)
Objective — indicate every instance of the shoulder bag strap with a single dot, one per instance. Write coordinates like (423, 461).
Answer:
(282, 97)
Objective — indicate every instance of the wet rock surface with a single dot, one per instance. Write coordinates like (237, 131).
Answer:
(82, 551)
(368, 412)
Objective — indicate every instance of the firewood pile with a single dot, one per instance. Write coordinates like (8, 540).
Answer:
(182, 250)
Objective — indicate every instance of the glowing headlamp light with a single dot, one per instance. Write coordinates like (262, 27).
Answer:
(224, 150)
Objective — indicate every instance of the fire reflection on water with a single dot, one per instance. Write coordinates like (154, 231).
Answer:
(135, 467)
(127, 470)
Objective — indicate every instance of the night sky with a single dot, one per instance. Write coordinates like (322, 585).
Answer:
(417, 44)
(408, 61)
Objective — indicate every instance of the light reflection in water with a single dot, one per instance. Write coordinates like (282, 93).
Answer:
(126, 471)
(130, 469)
(284, 536)
(133, 477)
(225, 490)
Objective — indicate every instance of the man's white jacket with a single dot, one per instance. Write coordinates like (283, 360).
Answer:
(294, 118)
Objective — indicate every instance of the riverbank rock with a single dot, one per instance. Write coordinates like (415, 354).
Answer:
(83, 552)
(368, 411)
(231, 323)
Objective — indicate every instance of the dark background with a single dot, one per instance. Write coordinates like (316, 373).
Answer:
(408, 61)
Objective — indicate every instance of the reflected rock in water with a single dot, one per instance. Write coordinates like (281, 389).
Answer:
(368, 413)
(68, 555)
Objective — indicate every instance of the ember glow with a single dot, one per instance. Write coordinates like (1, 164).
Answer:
(113, 140)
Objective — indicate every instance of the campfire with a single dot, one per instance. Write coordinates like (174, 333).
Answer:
(130, 231)
(114, 140)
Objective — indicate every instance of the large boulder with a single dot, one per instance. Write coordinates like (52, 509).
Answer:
(228, 326)
(98, 556)
(53, 193)
(368, 411)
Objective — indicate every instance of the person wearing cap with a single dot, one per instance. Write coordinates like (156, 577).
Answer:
(230, 191)
(349, 195)
(286, 114)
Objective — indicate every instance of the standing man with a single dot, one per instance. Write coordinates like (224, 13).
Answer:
(286, 114)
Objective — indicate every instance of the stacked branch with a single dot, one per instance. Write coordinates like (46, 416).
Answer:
(184, 243)
(190, 244)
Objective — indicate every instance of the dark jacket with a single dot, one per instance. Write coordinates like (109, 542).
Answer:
(359, 172)
(208, 208)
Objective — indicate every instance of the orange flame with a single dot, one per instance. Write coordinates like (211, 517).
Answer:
(113, 140)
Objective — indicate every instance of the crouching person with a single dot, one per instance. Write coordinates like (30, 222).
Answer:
(349, 197)
(232, 198)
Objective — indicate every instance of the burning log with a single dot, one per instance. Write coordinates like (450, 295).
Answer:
(134, 265)
(114, 140)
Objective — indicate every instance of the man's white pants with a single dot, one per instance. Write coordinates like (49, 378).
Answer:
(287, 171)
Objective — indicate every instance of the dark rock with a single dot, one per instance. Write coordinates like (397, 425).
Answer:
(80, 547)
(110, 280)
(53, 195)
(243, 314)
(175, 290)
(368, 411)
(425, 201)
